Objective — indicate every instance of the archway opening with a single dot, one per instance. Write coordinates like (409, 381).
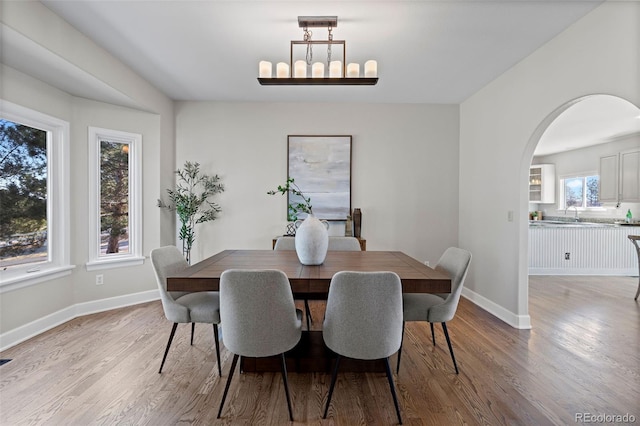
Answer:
(571, 179)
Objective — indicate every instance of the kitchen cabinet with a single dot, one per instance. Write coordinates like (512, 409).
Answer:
(542, 183)
(620, 177)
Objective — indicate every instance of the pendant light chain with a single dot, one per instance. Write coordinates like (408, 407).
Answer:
(307, 37)
(329, 47)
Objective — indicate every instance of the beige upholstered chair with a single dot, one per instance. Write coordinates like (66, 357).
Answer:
(183, 307)
(439, 307)
(363, 320)
(335, 244)
(344, 244)
(260, 318)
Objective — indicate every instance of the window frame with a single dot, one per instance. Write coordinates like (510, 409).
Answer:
(562, 204)
(134, 256)
(58, 263)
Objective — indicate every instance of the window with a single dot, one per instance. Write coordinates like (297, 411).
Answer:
(34, 191)
(581, 192)
(115, 195)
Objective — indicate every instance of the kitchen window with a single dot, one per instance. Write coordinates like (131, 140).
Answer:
(580, 191)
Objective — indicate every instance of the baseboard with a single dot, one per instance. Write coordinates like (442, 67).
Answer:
(27, 331)
(522, 322)
(622, 272)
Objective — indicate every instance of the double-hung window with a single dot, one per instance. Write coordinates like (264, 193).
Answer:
(34, 197)
(115, 197)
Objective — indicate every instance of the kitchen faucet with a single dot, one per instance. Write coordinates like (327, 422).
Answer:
(576, 218)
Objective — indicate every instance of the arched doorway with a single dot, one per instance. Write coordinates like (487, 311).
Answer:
(577, 124)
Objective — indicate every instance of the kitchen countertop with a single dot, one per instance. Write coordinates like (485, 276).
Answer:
(580, 224)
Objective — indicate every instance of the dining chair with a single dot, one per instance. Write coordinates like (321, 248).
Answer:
(344, 244)
(260, 318)
(363, 320)
(335, 244)
(634, 239)
(438, 307)
(184, 307)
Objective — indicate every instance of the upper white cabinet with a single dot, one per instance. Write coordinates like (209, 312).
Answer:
(542, 183)
(630, 176)
(609, 176)
(620, 177)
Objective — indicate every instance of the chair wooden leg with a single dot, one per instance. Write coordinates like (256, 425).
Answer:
(307, 312)
(393, 389)
(217, 342)
(446, 334)
(400, 350)
(333, 383)
(638, 291)
(226, 388)
(166, 351)
(286, 384)
(433, 336)
(193, 330)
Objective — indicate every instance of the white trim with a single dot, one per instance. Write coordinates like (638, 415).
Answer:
(522, 322)
(118, 262)
(134, 256)
(30, 278)
(622, 272)
(34, 328)
(58, 195)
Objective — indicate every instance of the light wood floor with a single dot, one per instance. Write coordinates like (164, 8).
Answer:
(582, 356)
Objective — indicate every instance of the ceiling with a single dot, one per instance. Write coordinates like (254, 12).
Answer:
(428, 51)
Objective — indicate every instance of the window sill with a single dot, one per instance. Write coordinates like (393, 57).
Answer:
(96, 265)
(27, 279)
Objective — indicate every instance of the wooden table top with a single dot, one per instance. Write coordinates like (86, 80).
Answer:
(415, 276)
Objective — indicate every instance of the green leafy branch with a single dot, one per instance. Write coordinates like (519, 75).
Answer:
(294, 208)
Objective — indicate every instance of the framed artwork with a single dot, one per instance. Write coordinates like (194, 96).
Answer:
(321, 167)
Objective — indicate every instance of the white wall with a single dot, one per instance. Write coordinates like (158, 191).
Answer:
(404, 169)
(581, 162)
(29, 310)
(500, 126)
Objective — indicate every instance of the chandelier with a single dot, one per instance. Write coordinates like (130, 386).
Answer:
(309, 71)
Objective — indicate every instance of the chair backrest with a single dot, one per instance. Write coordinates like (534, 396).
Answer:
(257, 312)
(285, 243)
(455, 262)
(167, 261)
(344, 244)
(335, 244)
(363, 318)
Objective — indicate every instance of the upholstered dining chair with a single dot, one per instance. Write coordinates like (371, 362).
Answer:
(184, 307)
(439, 307)
(344, 244)
(260, 318)
(363, 320)
(335, 244)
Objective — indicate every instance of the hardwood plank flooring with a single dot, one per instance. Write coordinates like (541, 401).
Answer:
(582, 356)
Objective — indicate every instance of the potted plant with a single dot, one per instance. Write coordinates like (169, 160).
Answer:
(534, 215)
(190, 200)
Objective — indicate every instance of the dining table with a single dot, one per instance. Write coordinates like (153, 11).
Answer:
(312, 282)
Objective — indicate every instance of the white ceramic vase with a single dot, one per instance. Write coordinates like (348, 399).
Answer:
(312, 240)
